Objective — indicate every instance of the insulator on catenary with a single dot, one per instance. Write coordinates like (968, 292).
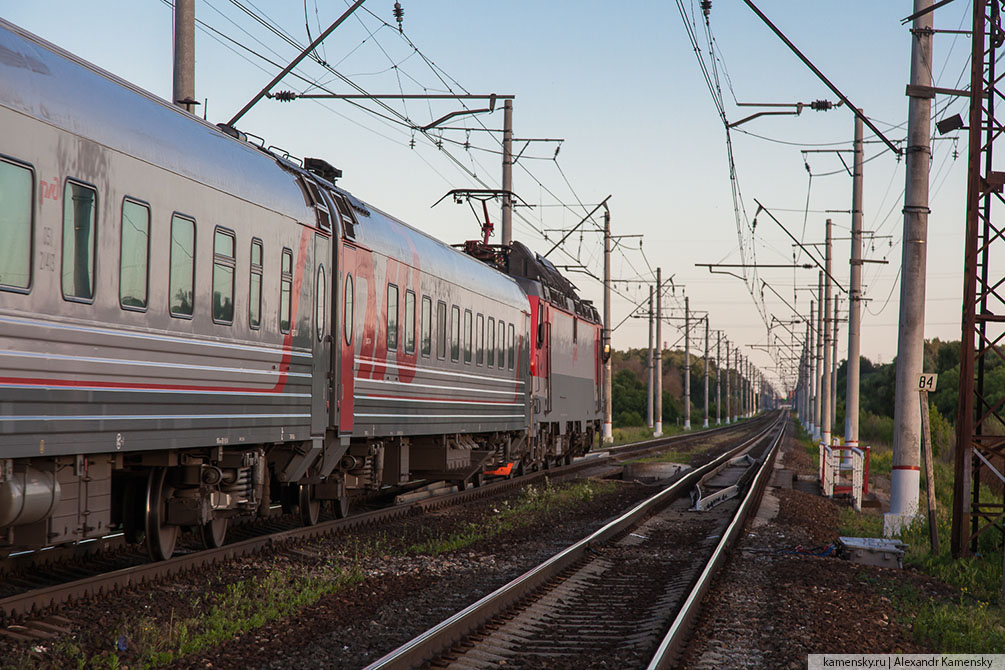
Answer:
(399, 14)
(284, 96)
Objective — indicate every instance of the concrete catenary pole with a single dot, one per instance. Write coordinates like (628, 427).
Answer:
(687, 364)
(818, 363)
(825, 385)
(507, 174)
(741, 385)
(834, 363)
(658, 399)
(184, 53)
(608, 435)
(807, 414)
(704, 422)
(729, 395)
(750, 387)
(906, 474)
(718, 377)
(810, 410)
(736, 401)
(746, 386)
(851, 403)
(649, 365)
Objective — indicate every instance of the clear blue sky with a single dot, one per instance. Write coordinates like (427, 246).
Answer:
(621, 84)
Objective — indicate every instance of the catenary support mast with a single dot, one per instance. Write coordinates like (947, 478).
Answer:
(906, 475)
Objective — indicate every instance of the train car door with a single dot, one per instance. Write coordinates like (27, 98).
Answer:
(321, 335)
(347, 340)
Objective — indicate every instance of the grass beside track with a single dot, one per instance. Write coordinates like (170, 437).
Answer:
(972, 622)
(214, 613)
(532, 502)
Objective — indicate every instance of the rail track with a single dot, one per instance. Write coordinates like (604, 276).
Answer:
(626, 595)
(37, 585)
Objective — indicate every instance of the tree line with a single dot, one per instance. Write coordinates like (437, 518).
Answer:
(878, 383)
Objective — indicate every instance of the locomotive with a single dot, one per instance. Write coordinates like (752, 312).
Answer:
(195, 329)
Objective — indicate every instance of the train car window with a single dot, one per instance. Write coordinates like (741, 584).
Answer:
(79, 232)
(467, 336)
(285, 290)
(134, 255)
(320, 206)
(181, 282)
(455, 332)
(409, 322)
(345, 213)
(441, 329)
(575, 329)
(480, 340)
(224, 264)
(255, 286)
(319, 304)
(501, 344)
(392, 317)
(512, 347)
(492, 342)
(427, 325)
(347, 314)
(16, 196)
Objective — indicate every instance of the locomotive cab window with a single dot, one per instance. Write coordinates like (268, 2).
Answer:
(441, 329)
(224, 263)
(16, 198)
(319, 304)
(427, 325)
(455, 332)
(347, 315)
(181, 282)
(409, 322)
(540, 324)
(392, 317)
(134, 254)
(285, 290)
(79, 232)
(255, 286)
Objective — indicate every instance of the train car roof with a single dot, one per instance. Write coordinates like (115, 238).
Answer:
(386, 234)
(47, 83)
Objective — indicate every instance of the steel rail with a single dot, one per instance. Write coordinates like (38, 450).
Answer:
(673, 642)
(50, 596)
(453, 629)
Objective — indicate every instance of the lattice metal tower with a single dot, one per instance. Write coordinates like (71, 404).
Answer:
(980, 421)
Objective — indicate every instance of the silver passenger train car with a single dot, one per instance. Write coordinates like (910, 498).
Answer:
(193, 328)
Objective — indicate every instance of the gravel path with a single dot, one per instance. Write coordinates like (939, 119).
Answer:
(776, 602)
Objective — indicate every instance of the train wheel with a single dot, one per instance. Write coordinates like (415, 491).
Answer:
(477, 479)
(214, 533)
(310, 507)
(161, 537)
(341, 506)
